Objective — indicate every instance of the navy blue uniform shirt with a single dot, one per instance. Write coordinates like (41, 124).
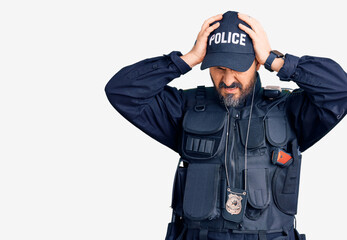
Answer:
(140, 93)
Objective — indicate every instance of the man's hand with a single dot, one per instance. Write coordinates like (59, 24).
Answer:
(260, 41)
(198, 52)
(256, 32)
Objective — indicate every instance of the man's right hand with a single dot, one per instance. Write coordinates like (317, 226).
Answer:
(198, 52)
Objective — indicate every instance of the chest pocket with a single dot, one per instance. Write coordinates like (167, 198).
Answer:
(276, 131)
(203, 133)
(256, 138)
(273, 129)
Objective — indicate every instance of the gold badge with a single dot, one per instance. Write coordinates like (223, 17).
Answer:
(233, 205)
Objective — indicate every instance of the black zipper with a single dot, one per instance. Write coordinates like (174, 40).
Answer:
(232, 155)
(226, 149)
(229, 155)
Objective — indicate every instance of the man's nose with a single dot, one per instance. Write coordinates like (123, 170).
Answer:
(229, 77)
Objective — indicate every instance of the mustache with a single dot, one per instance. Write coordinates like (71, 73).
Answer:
(233, 85)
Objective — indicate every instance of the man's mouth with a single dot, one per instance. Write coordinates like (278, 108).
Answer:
(230, 90)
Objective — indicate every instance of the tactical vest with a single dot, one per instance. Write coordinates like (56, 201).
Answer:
(212, 190)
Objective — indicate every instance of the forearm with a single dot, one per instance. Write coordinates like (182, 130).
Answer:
(139, 92)
(277, 64)
(191, 59)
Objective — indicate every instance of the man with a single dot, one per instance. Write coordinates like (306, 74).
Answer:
(240, 144)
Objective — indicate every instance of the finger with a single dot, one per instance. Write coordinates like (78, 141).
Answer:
(203, 35)
(249, 31)
(209, 21)
(246, 18)
(210, 29)
(250, 21)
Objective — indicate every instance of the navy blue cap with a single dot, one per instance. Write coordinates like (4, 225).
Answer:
(229, 46)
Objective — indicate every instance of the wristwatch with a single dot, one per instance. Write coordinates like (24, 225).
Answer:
(273, 54)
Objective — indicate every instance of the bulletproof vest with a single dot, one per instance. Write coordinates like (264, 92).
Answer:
(235, 171)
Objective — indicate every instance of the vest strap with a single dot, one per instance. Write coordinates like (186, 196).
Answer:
(262, 235)
(203, 234)
(292, 175)
(200, 96)
(213, 225)
(295, 150)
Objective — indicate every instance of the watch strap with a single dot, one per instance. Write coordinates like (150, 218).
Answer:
(269, 61)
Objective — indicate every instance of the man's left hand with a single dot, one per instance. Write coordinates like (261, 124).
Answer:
(256, 32)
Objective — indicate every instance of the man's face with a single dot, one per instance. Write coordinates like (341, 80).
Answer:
(234, 87)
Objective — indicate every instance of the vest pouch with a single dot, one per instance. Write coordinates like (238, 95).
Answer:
(276, 131)
(256, 138)
(259, 186)
(285, 187)
(201, 195)
(203, 133)
(178, 190)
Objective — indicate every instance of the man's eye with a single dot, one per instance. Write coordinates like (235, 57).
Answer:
(221, 68)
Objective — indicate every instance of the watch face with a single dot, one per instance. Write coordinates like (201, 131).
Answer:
(278, 54)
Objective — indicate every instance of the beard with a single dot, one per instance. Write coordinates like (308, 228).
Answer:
(232, 101)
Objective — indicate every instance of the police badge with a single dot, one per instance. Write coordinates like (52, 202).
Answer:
(235, 204)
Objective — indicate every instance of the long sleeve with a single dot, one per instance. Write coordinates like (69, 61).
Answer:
(140, 93)
(320, 102)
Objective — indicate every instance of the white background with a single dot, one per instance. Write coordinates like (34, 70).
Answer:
(72, 168)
